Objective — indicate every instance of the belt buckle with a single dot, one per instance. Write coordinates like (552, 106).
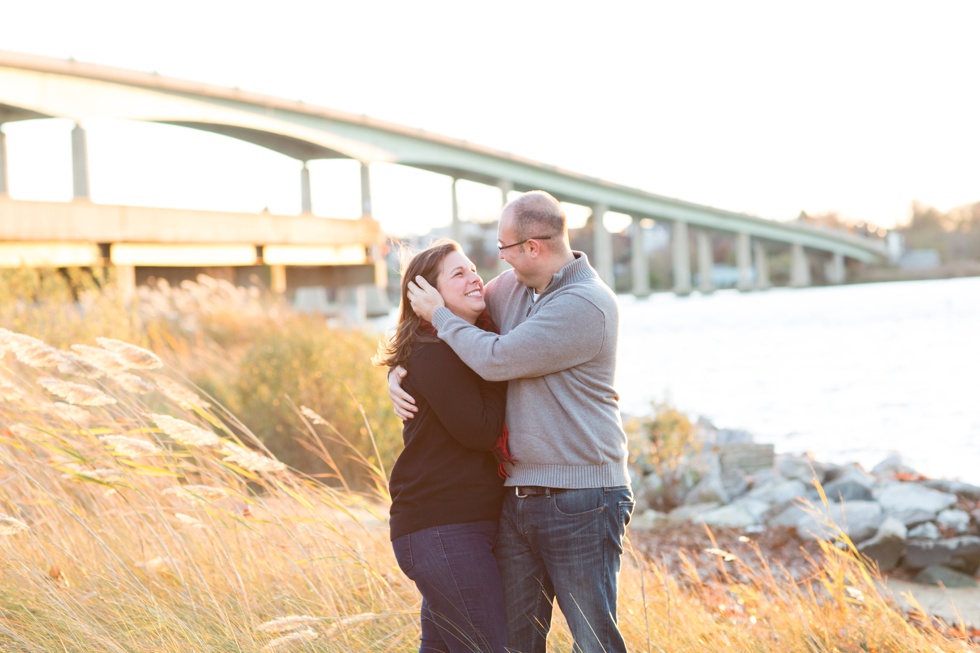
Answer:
(517, 492)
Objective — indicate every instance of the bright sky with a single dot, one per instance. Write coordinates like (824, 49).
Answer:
(768, 107)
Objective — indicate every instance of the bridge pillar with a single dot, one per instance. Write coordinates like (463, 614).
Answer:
(743, 260)
(365, 190)
(602, 246)
(306, 198)
(126, 281)
(277, 281)
(638, 260)
(681, 249)
(761, 266)
(505, 186)
(79, 163)
(3, 162)
(455, 229)
(835, 272)
(705, 262)
(799, 276)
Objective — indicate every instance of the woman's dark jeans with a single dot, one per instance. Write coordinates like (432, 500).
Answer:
(454, 568)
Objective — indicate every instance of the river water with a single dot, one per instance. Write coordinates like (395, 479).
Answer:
(850, 373)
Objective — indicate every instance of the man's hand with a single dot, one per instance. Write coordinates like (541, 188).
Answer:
(405, 407)
(424, 298)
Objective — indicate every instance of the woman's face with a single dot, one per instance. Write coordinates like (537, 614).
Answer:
(461, 287)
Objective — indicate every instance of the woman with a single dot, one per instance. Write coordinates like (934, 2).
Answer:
(445, 489)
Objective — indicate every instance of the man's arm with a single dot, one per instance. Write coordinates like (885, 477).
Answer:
(404, 403)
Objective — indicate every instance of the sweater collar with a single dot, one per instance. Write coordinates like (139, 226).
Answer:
(574, 272)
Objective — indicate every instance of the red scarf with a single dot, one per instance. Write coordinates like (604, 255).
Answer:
(500, 451)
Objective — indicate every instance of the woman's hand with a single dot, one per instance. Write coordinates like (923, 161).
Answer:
(404, 403)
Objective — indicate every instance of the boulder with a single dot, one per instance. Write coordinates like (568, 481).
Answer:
(741, 514)
(925, 531)
(709, 489)
(859, 520)
(959, 553)
(891, 467)
(887, 546)
(954, 519)
(802, 468)
(959, 488)
(778, 492)
(946, 577)
(691, 512)
(913, 503)
(848, 489)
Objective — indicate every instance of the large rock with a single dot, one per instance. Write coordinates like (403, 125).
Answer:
(711, 488)
(802, 468)
(859, 520)
(944, 576)
(959, 488)
(887, 546)
(691, 512)
(741, 514)
(925, 531)
(913, 503)
(778, 492)
(849, 483)
(892, 466)
(959, 553)
(954, 519)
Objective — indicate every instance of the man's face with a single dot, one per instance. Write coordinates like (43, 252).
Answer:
(515, 256)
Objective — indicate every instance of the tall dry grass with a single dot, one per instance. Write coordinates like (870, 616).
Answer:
(247, 351)
(136, 514)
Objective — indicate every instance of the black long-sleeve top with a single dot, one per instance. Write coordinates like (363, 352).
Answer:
(447, 474)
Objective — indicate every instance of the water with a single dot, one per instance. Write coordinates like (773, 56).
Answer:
(849, 373)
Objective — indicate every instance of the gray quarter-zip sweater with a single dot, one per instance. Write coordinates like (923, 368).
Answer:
(559, 354)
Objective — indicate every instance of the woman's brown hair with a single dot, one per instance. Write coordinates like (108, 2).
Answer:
(394, 351)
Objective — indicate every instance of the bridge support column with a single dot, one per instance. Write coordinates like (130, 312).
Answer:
(602, 246)
(277, 281)
(3, 162)
(681, 249)
(126, 281)
(799, 276)
(761, 266)
(306, 197)
(743, 260)
(79, 163)
(705, 263)
(835, 272)
(638, 260)
(505, 186)
(365, 190)
(455, 228)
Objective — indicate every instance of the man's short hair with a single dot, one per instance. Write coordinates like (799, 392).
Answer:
(537, 213)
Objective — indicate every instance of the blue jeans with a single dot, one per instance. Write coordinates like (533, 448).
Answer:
(454, 568)
(565, 546)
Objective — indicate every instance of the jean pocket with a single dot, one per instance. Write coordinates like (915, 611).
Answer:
(403, 553)
(576, 503)
(626, 511)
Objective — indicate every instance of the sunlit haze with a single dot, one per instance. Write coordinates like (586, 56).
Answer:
(768, 108)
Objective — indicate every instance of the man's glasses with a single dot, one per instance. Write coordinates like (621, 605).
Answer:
(503, 247)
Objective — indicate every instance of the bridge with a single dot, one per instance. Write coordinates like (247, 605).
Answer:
(305, 249)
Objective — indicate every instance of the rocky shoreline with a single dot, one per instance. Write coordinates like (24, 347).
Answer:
(927, 530)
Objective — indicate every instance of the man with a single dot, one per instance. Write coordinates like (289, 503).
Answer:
(563, 523)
